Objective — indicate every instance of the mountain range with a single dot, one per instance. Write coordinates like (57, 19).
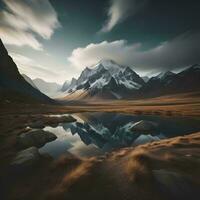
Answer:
(104, 80)
(51, 89)
(187, 80)
(13, 87)
(109, 80)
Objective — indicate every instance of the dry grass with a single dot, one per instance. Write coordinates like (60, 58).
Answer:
(125, 174)
(181, 105)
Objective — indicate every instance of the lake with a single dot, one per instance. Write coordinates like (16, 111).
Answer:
(98, 133)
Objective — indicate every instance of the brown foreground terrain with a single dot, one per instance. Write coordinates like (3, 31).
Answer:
(168, 169)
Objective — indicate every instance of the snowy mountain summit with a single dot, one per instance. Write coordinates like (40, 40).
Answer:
(106, 79)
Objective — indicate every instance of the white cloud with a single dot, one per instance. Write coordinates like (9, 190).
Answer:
(19, 38)
(20, 59)
(92, 53)
(182, 51)
(27, 18)
(119, 10)
(32, 69)
(40, 69)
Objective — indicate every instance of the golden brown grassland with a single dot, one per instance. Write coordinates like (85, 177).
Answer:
(130, 173)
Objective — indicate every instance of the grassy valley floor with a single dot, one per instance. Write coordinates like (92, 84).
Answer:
(177, 105)
(166, 169)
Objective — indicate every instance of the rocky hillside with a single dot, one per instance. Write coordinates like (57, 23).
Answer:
(13, 87)
(109, 80)
(106, 80)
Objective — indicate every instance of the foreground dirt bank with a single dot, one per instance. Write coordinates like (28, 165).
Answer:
(167, 169)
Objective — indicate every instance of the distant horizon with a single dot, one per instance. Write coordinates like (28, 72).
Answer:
(90, 67)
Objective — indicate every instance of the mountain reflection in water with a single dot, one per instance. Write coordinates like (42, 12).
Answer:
(97, 133)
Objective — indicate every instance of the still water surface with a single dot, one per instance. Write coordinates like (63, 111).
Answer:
(97, 133)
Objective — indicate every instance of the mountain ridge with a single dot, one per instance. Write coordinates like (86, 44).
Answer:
(106, 77)
(13, 87)
(50, 89)
(108, 80)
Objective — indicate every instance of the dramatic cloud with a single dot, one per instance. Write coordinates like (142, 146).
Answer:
(27, 18)
(119, 10)
(31, 68)
(19, 38)
(180, 52)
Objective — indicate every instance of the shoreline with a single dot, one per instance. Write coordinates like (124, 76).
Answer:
(121, 172)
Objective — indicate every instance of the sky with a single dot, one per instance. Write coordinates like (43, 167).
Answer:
(56, 39)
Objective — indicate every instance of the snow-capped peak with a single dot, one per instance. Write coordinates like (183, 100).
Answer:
(109, 65)
(106, 62)
(196, 66)
(163, 75)
(107, 76)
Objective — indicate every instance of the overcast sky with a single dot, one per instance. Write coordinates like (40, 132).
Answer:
(55, 40)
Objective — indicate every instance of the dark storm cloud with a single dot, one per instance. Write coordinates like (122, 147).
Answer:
(180, 52)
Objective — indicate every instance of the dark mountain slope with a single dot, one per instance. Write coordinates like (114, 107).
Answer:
(169, 83)
(13, 86)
